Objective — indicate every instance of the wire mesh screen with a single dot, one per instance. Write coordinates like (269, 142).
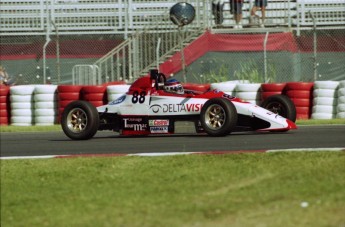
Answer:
(121, 38)
(313, 55)
(269, 57)
(23, 57)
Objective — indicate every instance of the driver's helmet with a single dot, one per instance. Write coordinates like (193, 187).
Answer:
(173, 86)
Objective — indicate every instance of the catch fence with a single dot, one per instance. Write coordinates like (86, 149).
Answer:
(47, 41)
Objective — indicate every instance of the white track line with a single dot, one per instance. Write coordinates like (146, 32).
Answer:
(28, 157)
(176, 153)
(307, 149)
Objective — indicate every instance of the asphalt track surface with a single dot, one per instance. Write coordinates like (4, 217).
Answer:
(107, 142)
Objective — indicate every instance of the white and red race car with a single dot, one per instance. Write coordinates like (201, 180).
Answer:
(149, 109)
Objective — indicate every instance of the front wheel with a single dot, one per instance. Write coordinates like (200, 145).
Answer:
(218, 117)
(80, 120)
(282, 105)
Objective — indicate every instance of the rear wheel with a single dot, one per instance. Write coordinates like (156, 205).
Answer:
(282, 105)
(218, 117)
(80, 120)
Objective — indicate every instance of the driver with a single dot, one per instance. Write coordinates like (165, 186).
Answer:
(173, 86)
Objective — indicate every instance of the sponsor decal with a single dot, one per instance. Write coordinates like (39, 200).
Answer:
(159, 122)
(176, 108)
(135, 119)
(155, 108)
(274, 114)
(118, 100)
(227, 96)
(159, 129)
(135, 124)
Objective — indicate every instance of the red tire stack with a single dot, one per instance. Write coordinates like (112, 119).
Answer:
(268, 90)
(96, 95)
(301, 93)
(4, 105)
(66, 95)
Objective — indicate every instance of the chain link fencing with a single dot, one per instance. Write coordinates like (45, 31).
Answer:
(312, 55)
(23, 57)
(283, 51)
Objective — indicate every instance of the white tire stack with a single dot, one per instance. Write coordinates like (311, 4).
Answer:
(227, 87)
(249, 92)
(22, 105)
(116, 91)
(325, 98)
(45, 106)
(341, 100)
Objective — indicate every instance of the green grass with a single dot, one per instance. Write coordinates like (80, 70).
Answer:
(264, 189)
(10, 128)
(339, 121)
(194, 190)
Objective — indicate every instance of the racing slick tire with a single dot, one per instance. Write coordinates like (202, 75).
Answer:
(218, 117)
(80, 120)
(282, 105)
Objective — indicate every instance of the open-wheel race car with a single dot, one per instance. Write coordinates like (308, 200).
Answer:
(153, 104)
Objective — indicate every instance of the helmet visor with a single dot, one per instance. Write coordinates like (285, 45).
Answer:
(178, 89)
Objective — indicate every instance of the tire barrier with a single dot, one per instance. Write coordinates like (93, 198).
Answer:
(325, 98)
(268, 90)
(22, 105)
(66, 95)
(25, 105)
(45, 104)
(249, 92)
(4, 105)
(115, 91)
(96, 95)
(341, 100)
(301, 95)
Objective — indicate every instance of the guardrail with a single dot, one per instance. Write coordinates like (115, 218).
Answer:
(78, 16)
(35, 17)
(86, 75)
(278, 12)
(138, 54)
(327, 13)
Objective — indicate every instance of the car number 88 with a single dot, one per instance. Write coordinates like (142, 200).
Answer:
(138, 97)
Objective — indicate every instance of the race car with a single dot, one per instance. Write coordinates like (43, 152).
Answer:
(153, 104)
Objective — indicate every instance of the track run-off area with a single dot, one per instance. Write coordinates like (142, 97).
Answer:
(106, 143)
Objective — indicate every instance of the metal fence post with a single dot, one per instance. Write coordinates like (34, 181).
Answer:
(265, 58)
(314, 45)
(48, 30)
